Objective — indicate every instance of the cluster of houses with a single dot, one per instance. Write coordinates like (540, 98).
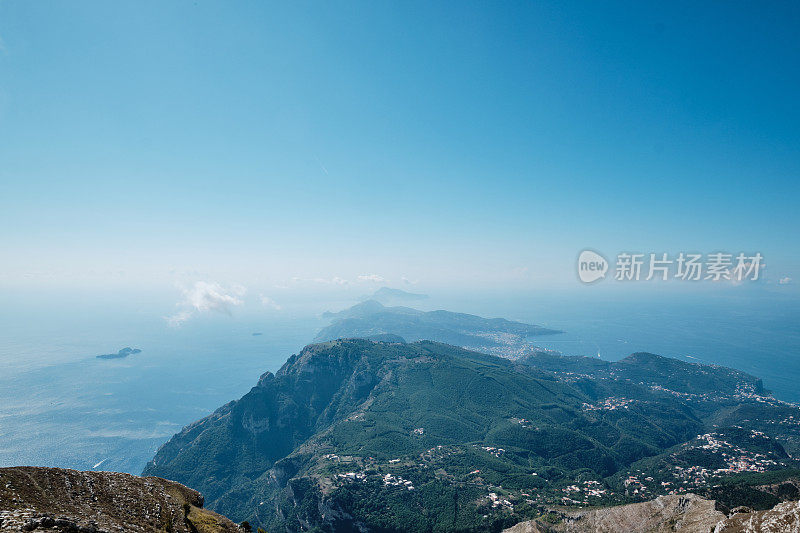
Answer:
(397, 481)
(635, 486)
(498, 501)
(497, 452)
(609, 404)
(353, 476)
(736, 458)
(584, 491)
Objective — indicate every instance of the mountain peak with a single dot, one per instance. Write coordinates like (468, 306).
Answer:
(644, 357)
(385, 294)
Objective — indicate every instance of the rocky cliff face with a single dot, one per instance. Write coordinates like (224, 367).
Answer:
(53, 499)
(685, 513)
(783, 518)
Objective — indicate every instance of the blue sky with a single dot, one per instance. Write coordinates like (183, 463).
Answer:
(460, 144)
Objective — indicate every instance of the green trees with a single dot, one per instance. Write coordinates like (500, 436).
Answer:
(470, 442)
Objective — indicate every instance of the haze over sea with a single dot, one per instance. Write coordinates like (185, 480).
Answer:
(60, 406)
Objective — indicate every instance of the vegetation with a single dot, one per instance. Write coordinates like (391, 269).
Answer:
(429, 437)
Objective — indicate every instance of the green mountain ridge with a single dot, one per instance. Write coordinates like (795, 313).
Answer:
(385, 436)
(651, 369)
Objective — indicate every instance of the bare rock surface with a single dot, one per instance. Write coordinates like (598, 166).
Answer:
(685, 513)
(783, 518)
(54, 499)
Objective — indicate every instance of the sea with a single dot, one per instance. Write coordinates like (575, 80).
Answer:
(62, 406)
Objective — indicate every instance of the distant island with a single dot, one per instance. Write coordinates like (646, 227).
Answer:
(125, 352)
(495, 336)
(388, 295)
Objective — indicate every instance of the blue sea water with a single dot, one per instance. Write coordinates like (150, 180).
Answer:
(61, 406)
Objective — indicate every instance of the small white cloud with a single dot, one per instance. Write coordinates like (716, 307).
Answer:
(266, 301)
(178, 318)
(336, 280)
(408, 281)
(785, 281)
(521, 271)
(212, 297)
(239, 290)
(372, 277)
(204, 296)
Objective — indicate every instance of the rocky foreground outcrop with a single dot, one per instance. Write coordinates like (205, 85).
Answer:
(54, 499)
(784, 518)
(686, 513)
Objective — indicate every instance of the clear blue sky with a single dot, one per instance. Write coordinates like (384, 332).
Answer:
(472, 143)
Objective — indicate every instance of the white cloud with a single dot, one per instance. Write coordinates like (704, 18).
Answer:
(521, 271)
(239, 290)
(336, 280)
(785, 281)
(178, 318)
(204, 296)
(408, 281)
(372, 277)
(266, 301)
